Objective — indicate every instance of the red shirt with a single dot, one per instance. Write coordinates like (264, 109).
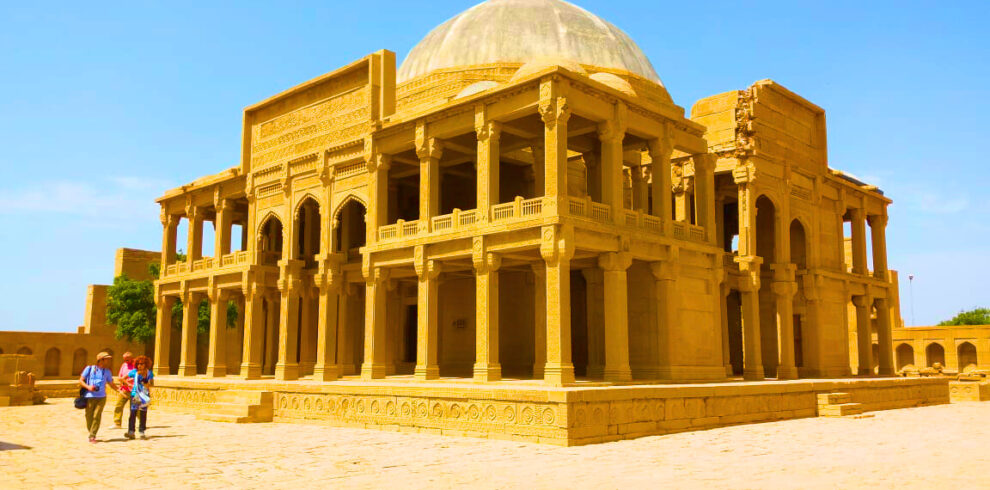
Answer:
(125, 381)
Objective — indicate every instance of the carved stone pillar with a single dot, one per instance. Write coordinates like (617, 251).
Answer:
(378, 199)
(660, 151)
(190, 321)
(858, 241)
(557, 249)
(486, 366)
(489, 133)
(327, 367)
(254, 332)
(704, 182)
(614, 266)
(864, 340)
(554, 112)
(428, 312)
(884, 338)
(217, 365)
(611, 133)
(194, 238)
(749, 287)
(540, 319)
(594, 280)
(221, 245)
(163, 334)
(878, 230)
(784, 289)
(724, 320)
(170, 225)
(640, 189)
(429, 151)
(290, 286)
(668, 312)
(375, 316)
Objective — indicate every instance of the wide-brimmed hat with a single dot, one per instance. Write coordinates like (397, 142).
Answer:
(103, 355)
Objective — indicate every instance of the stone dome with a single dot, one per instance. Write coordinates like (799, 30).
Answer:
(518, 31)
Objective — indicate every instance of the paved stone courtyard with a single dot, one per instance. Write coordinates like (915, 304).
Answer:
(932, 447)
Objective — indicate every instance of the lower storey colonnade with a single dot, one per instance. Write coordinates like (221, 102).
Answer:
(492, 318)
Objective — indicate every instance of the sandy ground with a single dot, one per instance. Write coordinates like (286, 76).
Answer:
(945, 446)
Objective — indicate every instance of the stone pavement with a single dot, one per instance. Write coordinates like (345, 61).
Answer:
(933, 447)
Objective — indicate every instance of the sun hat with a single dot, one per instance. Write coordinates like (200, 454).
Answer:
(103, 355)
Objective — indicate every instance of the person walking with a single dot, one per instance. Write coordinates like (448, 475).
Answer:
(140, 379)
(125, 389)
(95, 379)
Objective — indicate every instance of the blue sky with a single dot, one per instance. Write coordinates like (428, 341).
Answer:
(106, 105)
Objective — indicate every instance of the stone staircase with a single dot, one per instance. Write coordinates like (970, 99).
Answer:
(241, 407)
(837, 405)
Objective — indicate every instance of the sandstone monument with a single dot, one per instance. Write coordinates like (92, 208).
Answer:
(519, 234)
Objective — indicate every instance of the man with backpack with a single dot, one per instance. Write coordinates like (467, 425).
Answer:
(95, 379)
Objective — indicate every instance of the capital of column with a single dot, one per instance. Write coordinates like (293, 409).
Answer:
(557, 244)
(783, 271)
(662, 147)
(877, 220)
(379, 162)
(488, 131)
(554, 112)
(744, 174)
(611, 131)
(862, 301)
(784, 289)
(664, 270)
(749, 266)
(614, 261)
(429, 148)
(487, 262)
(168, 220)
(376, 276)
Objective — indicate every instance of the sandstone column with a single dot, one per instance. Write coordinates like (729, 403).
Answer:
(289, 284)
(864, 341)
(540, 319)
(668, 312)
(557, 249)
(594, 281)
(217, 366)
(163, 334)
(374, 320)
(221, 244)
(486, 365)
(190, 320)
(660, 151)
(784, 289)
(614, 267)
(884, 337)
(378, 198)
(327, 367)
(254, 332)
(194, 238)
(858, 241)
(878, 229)
(429, 151)
(489, 133)
(170, 224)
(428, 313)
(554, 112)
(611, 133)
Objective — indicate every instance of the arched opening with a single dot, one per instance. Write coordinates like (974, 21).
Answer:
(799, 245)
(270, 241)
(967, 356)
(935, 353)
(1, 351)
(25, 351)
(78, 361)
(52, 360)
(905, 356)
(766, 248)
(307, 239)
(351, 227)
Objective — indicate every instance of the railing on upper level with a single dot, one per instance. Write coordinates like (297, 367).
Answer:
(233, 259)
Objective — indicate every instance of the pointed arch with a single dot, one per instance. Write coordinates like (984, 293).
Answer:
(344, 201)
(269, 215)
(307, 196)
(800, 243)
(904, 355)
(53, 359)
(967, 356)
(306, 228)
(935, 352)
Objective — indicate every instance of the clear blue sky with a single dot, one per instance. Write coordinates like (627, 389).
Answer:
(103, 107)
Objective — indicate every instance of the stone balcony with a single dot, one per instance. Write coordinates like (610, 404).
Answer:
(521, 210)
(230, 261)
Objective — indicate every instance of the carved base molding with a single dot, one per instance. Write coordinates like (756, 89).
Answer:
(567, 417)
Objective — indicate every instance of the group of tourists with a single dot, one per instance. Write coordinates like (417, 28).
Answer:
(132, 383)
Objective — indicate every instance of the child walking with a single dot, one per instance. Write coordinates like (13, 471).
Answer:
(141, 378)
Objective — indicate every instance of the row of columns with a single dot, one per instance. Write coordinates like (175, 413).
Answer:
(865, 304)
(878, 239)
(196, 217)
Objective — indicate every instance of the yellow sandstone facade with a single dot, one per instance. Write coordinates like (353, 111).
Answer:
(526, 241)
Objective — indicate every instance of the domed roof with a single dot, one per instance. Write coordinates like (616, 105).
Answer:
(517, 31)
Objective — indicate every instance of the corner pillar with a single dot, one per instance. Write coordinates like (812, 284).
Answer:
(885, 338)
(557, 249)
(428, 319)
(375, 327)
(614, 266)
(864, 341)
(289, 284)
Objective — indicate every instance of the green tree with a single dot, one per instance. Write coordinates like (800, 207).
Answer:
(131, 307)
(977, 316)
